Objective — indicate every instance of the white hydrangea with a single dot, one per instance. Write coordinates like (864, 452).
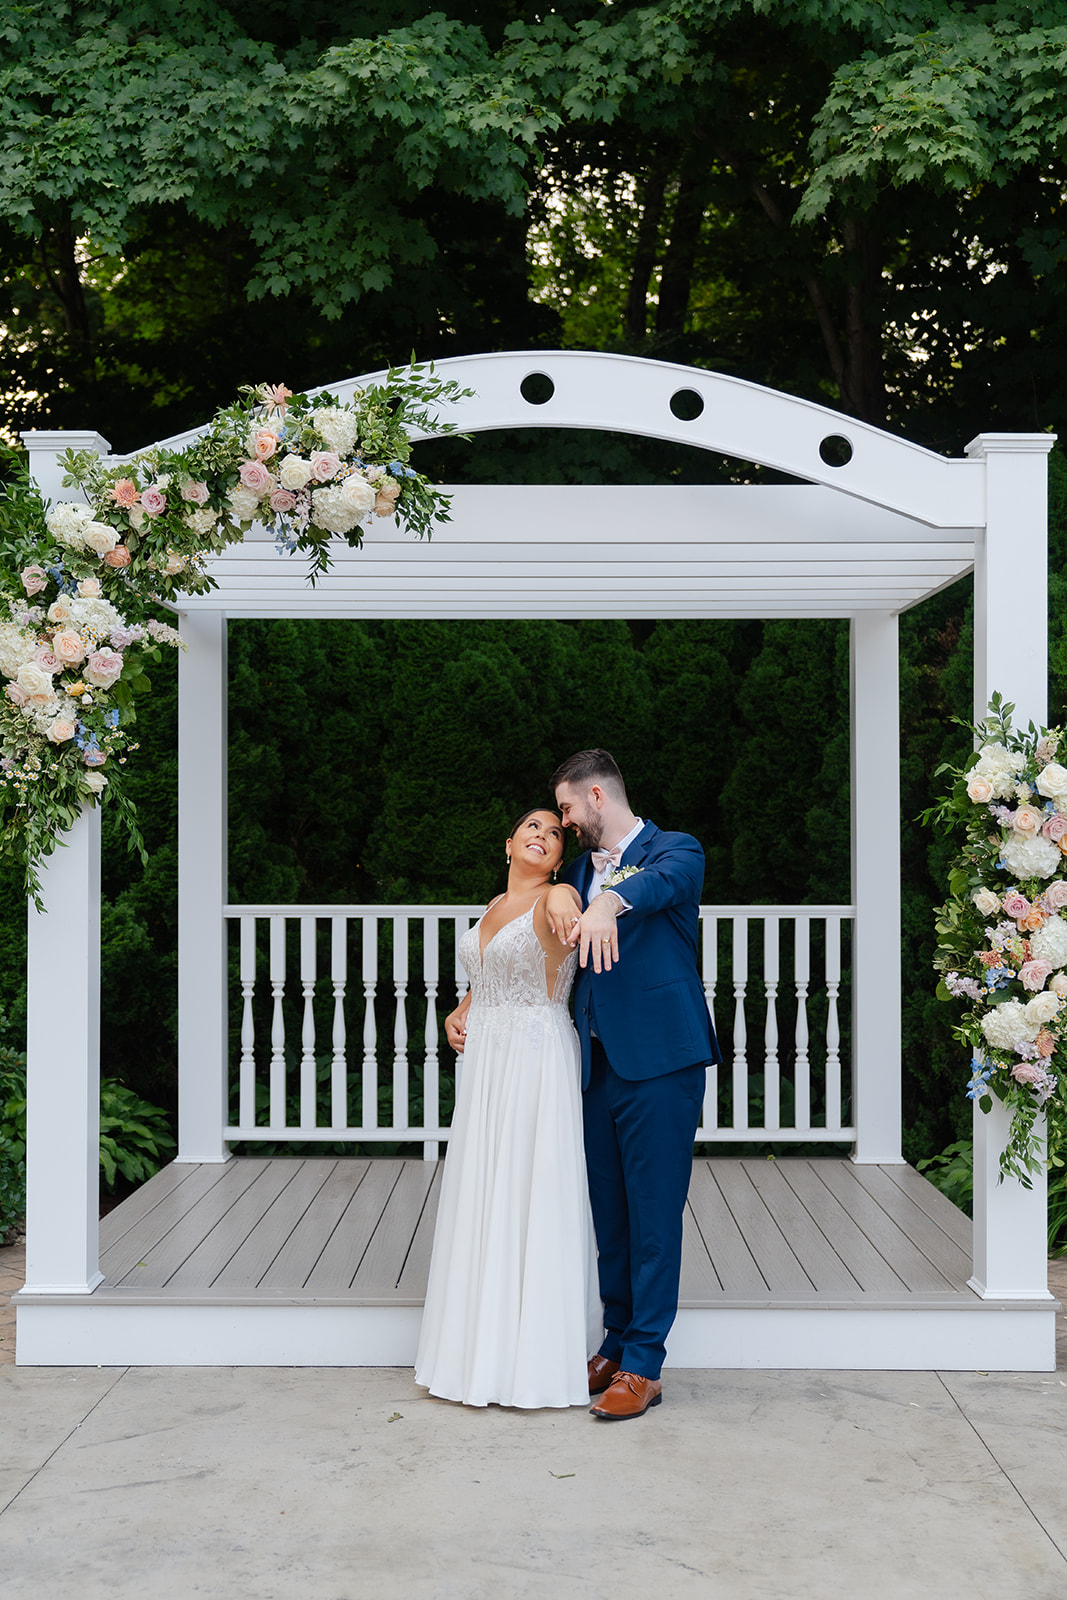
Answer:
(1006, 1024)
(999, 767)
(1031, 857)
(245, 504)
(17, 646)
(68, 522)
(332, 511)
(99, 615)
(201, 522)
(1050, 942)
(338, 427)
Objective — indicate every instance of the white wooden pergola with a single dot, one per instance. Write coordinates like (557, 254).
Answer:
(858, 1264)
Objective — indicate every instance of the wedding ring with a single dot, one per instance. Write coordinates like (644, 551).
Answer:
(605, 941)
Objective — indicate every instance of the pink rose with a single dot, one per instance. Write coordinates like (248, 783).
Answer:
(94, 757)
(197, 494)
(1016, 905)
(61, 730)
(282, 500)
(264, 443)
(1026, 821)
(119, 557)
(34, 579)
(1055, 896)
(152, 501)
(47, 659)
(1033, 975)
(1026, 1072)
(325, 464)
(1055, 826)
(385, 500)
(68, 647)
(16, 695)
(255, 476)
(103, 668)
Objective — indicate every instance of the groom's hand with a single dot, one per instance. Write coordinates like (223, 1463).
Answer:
(597, 933)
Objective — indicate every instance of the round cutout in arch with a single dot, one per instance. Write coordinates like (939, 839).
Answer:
(836, 450)
(686, 405)
(537, 388)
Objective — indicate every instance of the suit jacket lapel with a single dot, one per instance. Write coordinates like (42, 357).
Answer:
(635, 853)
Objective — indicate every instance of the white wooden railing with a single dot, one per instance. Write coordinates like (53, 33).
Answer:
(335, 1038)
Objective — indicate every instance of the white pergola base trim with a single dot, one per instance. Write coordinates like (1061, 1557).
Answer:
(991, 1337)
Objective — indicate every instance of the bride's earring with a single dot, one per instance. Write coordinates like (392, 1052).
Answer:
(554, 871)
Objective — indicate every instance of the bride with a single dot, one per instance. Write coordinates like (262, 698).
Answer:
(512, 1306)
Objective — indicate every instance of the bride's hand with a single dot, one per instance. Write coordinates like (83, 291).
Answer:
(456, 1025)
(563, 908)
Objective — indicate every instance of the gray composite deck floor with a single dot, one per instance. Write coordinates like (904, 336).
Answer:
(824, 1232)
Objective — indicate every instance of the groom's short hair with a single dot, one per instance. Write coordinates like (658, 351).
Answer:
(588, 767)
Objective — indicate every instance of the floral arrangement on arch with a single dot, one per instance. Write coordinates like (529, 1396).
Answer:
(1002, 934)
(82, 583)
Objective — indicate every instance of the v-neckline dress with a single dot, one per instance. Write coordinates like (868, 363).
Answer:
(512, 1305)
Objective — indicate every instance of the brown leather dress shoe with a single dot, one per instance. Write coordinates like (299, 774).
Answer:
(601, 1372)
(627, 1396)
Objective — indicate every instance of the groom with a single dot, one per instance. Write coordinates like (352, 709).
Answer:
(646, 1040)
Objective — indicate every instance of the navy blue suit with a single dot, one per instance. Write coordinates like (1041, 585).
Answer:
(646, 1041)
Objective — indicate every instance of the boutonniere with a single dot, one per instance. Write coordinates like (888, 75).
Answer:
(619, 875)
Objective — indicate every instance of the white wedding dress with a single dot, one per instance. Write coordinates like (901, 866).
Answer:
(512, 1306)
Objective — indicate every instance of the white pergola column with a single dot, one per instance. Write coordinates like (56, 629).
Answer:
(1010, 655)
(876, 1024)
(44, 447)
(202, 887)
(63, 1069)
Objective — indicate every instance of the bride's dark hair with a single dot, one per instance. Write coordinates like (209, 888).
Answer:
(520, 820)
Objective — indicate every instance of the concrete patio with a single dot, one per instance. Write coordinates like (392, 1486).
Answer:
(337, 1483)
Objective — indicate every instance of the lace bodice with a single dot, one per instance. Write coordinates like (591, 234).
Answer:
(512, 971)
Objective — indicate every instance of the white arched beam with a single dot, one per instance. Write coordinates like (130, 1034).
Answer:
(632, 394)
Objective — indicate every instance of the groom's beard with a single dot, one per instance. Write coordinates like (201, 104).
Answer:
(590, 833)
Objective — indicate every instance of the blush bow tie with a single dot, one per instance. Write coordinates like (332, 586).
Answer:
(603, 859)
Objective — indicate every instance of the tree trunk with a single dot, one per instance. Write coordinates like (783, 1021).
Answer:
(60, 266)
(646, 250)
(677, 276)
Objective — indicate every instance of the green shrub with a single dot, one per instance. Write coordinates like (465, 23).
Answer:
(953, 1173)
(135, 1139)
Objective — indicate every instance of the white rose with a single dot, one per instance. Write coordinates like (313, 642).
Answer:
(1006, 1024)
(1050, 942)
(986, 902)
(96, 781)
(100, 538)
(979, 790)
(1058, 984)
(1052, 781)
(294, 473)
(1029, 857)
(358, 495)
(34, 679)
(1041, 1009)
